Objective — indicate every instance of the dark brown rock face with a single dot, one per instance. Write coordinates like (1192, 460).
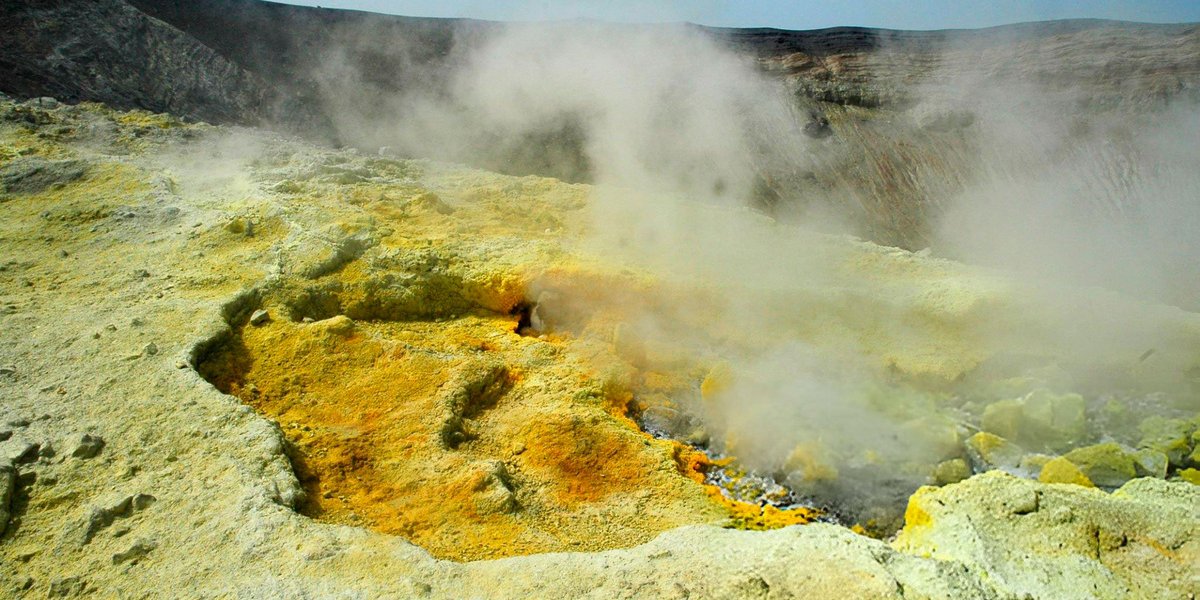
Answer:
(108, 51)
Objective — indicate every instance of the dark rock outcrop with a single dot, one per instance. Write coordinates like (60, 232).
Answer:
(108, 51)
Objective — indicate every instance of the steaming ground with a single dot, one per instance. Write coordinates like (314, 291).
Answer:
(457, 359)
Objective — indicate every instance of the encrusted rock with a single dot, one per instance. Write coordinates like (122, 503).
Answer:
(1150, 463)
(991, 451)
(1172, 437)
(951, 471)
(1061, 470)
(135, 552)
(1106, 465)
(88, 446)
(8, 481)
(259, 317)
(1041, 419)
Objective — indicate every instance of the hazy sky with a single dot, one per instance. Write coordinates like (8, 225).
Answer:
(791, 14)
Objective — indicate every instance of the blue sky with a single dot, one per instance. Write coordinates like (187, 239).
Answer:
(791, 14)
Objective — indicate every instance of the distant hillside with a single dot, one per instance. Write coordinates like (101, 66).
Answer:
(892, 163)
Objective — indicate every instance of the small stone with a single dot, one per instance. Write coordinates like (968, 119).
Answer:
(1191, 476)
(259, 317)
(67, 586)
(1061, 470)
(141, 273)
(138, 550)
(150, 349)
(8, 370)
(136, 322)
(339, 325)
(994, 452)
(88, 446)
(18, 422)
(951, 471)
(143, 501)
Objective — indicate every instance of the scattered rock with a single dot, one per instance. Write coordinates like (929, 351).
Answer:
(135, 552)
(1150, 463)
(1107, 465)
(493, 492)
(940, 434)
(240, 226)
(1061, 470)
(150, 349)
(24, 453)
(103, 516)
(1041, 419)
(428, 202)
(1033, 463)
(818, 127)
(991, 451)
(63, 587)
(8, 482)
(88, 446)
(1191, 476)
(33, 175)
(809, 462)
(259, 317)
(951, 471)
(1168, 436)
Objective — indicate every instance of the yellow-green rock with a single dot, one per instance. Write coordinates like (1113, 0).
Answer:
(1150, 463)
(1190, 475)
(1061, 470)
(1169, 436)
(1107, 465)
(951, 471)
(994, 451)
(1041, 419)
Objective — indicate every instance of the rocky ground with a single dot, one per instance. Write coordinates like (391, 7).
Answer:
(235, 364)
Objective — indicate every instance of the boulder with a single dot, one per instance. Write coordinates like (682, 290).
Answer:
(1172, 437)
(1075, 543)
(1107, 465)
(1041, 419)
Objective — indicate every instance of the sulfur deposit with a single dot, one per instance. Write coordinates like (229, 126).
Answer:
(240, 365)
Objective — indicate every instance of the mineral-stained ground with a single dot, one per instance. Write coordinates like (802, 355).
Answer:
(240, 365)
